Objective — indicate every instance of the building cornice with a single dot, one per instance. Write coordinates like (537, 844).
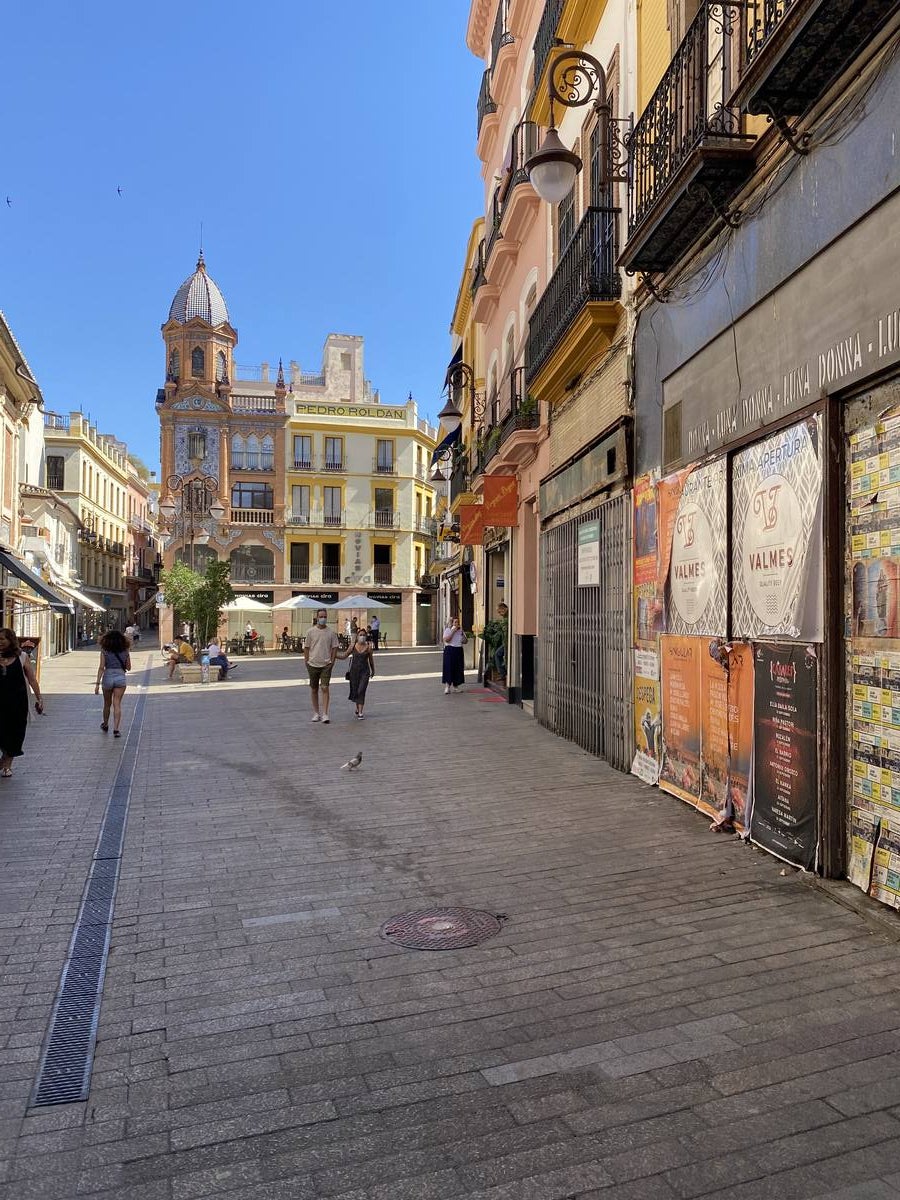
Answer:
(478, 28)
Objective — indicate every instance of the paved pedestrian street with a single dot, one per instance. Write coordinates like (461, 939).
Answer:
(663, 1013)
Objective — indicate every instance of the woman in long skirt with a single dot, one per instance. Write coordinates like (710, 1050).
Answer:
(16, 677)
(453, 674)
(362, 669)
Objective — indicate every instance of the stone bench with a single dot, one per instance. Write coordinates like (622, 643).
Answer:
(191, 673)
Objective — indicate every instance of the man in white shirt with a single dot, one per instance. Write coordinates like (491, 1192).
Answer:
(218, 658)
(375, 630)
(320, 647)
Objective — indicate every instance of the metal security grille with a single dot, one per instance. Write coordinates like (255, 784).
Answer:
(584, 680)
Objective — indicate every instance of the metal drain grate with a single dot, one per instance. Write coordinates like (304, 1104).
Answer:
(64, 1074)
(441, 928)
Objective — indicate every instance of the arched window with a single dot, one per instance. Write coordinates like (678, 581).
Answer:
(237, 453)
(174, 365)
(252, 452)
(267, 460)
(220, 367)
(509, 349)
(196, 444)
(198, 363)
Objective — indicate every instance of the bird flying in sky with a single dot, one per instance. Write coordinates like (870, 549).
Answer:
(119, 190)
(9, 202)
(353, 763)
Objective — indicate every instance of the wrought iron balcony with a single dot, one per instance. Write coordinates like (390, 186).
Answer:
(302, 464)
(252, 573)
(546, 36)
(56, 483)
(795, 49)
(331, 573)
(381, 466)
(500, 35)
(524, 412)
(486, 105)
(334, 465)
(426, 525)
(384, 518)
(459, 478)
(689, 154)
(586, 274)
(301, 517)
(479, 274)
(383, 573)
(299, 572)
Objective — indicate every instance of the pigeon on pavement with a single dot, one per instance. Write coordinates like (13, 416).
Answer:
(353, 763)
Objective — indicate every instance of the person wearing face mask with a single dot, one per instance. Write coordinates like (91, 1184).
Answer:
(362, 669)
(320, 648)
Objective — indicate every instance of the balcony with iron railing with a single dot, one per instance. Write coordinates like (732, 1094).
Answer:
(300, 517)
(794, 50)
(252, 516)
(503, 51)
(383, 573)
(299, 572)
(486, 107)
(579, 307)
(384, 518)
(334, 465)
(56, 421)
(384, 466)
(421, 470)
(545, 38)
(329, 520)
(303, 464)
(252, 573)
(331, 573)
(688, 153)
(426, 526)
(56, 483)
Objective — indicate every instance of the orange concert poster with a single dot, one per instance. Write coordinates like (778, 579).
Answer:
(668, 496)
(680, 668)
(501, 500)
(471, 525)
(714, 719)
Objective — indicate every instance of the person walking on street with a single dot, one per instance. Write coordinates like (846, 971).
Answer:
(114, 662)
(16, 677)
(362, 669)
(454, 674)
(375, 630)
(320, 648)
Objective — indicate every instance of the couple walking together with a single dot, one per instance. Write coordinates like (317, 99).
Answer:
(321, 647)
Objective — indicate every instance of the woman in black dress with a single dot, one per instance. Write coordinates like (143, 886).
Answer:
(362, 669)
(16, 676)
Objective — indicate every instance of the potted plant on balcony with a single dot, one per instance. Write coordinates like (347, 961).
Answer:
(527, 411)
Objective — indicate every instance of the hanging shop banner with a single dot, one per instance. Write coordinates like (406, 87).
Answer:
(471, 525)
(777, 546)
(648, 607)
(885, 885)
(668, 497)
(726, 683)
(501, 500)
(696, 601)
(679, 771)
(786, 757)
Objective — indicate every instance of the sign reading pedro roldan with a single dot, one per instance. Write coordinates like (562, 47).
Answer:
(785, 773)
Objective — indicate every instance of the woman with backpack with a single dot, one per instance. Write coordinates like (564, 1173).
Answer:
(115, 661)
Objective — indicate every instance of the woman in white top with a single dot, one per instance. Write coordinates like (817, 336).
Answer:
(453, 675)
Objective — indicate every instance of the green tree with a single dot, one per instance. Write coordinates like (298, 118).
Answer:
(196, 598)
(140, 466)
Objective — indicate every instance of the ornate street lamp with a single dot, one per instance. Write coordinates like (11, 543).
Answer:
(198, 501)
(573, 80)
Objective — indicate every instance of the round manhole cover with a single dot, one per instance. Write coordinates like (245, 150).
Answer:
(441, 928)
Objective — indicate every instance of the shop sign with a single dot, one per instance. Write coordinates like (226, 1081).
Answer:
(324, 597)
(471, 524)
(786, 753)
(160, 600)
(777, 548)
(386, 597)
(259, 597)
(501, 500)
(792, 352)
(350, 410)
(589, 554)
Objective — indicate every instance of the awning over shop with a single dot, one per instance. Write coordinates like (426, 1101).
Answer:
(146, 606)
(81, 598)
(35, 582)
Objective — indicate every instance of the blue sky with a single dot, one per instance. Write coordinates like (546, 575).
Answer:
(327, 148)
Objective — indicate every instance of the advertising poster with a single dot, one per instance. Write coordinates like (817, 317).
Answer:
(864, 830)
(785, 762)
(648, 607)
(501, 500)
(715, 734)
(696, 599)
(589, 554)
(885, 884)
(647, 729)
(777, 548)
(668, 498)
(740, 732)
(680, 669)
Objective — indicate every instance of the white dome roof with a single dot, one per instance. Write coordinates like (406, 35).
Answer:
(199, 296)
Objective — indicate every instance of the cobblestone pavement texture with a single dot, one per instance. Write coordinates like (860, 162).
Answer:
(666, 1013)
